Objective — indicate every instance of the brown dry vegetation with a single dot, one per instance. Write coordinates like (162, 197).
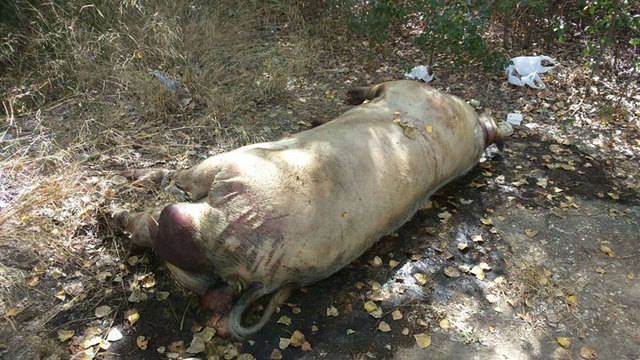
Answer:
(80, 104)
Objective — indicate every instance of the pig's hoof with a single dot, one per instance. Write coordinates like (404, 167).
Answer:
(147, 178)
(120, 219)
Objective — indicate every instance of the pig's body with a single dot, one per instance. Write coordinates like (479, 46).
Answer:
(297, 210)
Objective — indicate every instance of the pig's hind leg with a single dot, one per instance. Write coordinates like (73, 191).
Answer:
(358, 95)
(194, 182)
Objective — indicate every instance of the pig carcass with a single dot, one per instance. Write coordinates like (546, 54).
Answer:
(271, 216)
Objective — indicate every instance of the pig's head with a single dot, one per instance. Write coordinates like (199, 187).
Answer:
(185, 237)
(185, 231)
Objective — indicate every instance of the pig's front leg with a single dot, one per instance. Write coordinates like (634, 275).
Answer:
(196, 181)
(142, 226)
(148, 178)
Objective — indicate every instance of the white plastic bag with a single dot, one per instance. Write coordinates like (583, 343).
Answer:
(524, 70)
(421, 73)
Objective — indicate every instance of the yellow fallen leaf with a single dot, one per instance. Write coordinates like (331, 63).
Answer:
(607, 250)
(409, 132)
(393, 263)
(133, 260)
(11, 312)
(572, 299)
(197, 343)
(588, 353)
(565, 342)
(142, 342)
(530, 232)
(477, 238)
(91, 341)
(284, 343)
(444, 216)
(478, 272)
(445, 324)
(428, 129)
(421, 278)
(132, 316)
(374, 310)
(285, 320)
(332, 311)
(519, 182)
(614, 195)
(451, 272)
(370, 306)
(376, 261)
(542, 182)
(396, 314)
(104, 345)
(631, 276)
(33, 280)
(297, 339)
(600, 270)
(64, 335)
(102, 311)
(423, 340)
(384, 327)
(556, 149)
(147, 281)
(486, 221)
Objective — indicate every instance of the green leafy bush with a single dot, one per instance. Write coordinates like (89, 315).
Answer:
(458, 27)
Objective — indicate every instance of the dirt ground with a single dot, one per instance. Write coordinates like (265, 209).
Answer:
(532, 255)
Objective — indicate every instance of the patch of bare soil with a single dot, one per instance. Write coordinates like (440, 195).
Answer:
(532, 255)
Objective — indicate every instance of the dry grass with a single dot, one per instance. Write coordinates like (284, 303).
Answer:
(79, 102)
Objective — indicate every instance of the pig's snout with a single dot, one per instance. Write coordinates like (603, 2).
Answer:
(177, 240)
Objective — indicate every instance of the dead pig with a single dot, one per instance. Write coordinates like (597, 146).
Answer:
(271, 216)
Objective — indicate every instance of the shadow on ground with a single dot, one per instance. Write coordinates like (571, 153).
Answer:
(532, 250)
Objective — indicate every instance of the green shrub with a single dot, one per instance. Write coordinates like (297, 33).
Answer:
(455, 29)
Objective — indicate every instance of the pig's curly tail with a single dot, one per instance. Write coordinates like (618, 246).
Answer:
(254, 293)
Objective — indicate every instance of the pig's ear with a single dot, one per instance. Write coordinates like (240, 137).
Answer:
(358, 95)
(198, 283)
(252, 294)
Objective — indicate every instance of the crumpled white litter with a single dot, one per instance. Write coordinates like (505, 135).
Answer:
(524, 70)
(420, 73)
(166, 80)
